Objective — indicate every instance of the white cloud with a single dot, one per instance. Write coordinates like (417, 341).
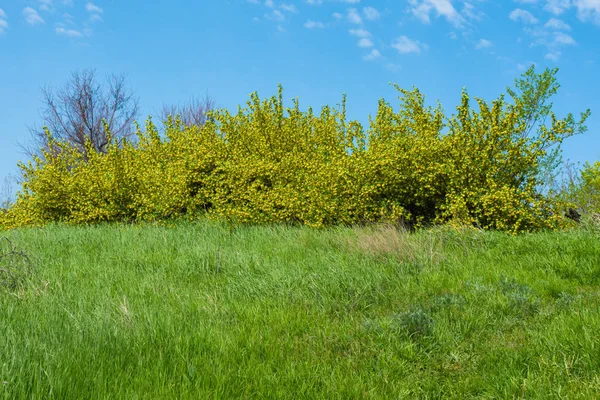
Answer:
(310, 24)
(371, 13)
(269, 3)
(32, 16)
(374, 54)
(563, 39)
(404, 45)
(483, 44)
(72, 33)
(91, 7)
(526, 1)
(337, 15)
(360, 32)
(471, 13)
(314, 2)
(392, 67)
(95, 14)
(276, 15)
(289, 8)
(364, 42)
(351, 1)
(557, 7)
(553, 41)
(557, 24)
(554, 56)
(525, 16)
(45, 5)
(422, 8)
(3, 22)
(95, 18)
(421, 12)
(588, 10)
(354, 17)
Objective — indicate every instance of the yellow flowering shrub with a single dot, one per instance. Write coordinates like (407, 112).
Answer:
(493, 170)
(270, 164)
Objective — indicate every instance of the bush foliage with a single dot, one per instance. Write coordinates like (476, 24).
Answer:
(583, 189)
(267, 163)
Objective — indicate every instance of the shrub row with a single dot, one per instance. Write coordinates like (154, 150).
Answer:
(268, 164)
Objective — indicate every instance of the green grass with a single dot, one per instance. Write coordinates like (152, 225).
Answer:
(201, 311)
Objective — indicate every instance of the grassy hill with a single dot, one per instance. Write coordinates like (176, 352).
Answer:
(204, 311)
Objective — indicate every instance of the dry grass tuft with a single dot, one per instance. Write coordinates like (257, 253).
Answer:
(387, 240)
(125, 312)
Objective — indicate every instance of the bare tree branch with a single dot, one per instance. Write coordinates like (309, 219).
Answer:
(75, 112)
(193, 112)
(7, 192)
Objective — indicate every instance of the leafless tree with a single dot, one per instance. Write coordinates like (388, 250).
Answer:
(6, 193)
(192, 112)
(75, 112)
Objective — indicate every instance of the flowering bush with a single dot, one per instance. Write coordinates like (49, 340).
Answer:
(268, 164)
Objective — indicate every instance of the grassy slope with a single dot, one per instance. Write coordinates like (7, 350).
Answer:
(198, 311)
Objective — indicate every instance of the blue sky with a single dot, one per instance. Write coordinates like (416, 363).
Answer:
(318, 49)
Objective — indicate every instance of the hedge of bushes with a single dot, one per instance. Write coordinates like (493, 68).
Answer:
(270, 164)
